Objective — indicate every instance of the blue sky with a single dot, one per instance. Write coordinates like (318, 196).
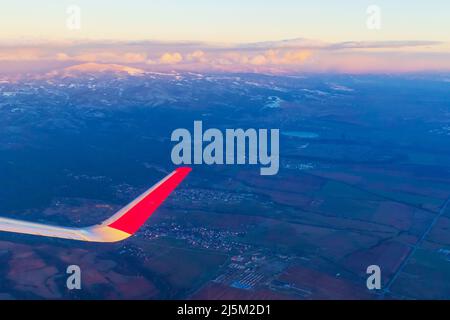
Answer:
(226, 21)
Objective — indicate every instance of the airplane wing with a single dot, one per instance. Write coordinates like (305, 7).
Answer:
(119, 227)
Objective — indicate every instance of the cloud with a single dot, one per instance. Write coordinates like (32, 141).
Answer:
(382, 44)
(259, 60)
(106, 57)
(294, 57)
(131, 57)
(271, 57)
(197, 56)
(297, 55)
(61, 56)
(23, 54)
(171, 58)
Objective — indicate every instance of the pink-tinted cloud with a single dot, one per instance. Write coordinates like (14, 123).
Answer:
(291, 56)
(197, 56)
(22, 54)
(105, 57)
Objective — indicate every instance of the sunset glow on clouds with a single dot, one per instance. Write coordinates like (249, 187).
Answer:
(298, 55)
(227, 36)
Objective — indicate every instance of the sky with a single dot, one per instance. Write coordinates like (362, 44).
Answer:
(235, 24)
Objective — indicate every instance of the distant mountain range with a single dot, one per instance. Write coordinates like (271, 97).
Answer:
(92, 67)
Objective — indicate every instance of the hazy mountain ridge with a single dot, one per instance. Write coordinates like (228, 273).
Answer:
(92, 67)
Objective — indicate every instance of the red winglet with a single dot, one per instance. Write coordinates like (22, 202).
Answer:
(132, 217)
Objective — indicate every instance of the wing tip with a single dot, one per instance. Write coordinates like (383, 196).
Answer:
(133, 219)
(185, 170)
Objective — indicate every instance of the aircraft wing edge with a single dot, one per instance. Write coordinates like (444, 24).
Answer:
(119, 227)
